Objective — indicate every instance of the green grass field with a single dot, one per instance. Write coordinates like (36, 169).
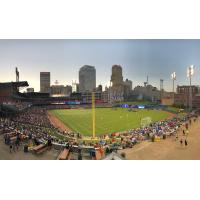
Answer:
(107, 119)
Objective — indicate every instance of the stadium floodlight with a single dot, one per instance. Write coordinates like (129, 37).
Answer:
(190, 73)
(173, 77)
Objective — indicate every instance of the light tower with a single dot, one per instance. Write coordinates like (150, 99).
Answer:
(17, 74)
(173, 77)
(190, 73)
(161, 88)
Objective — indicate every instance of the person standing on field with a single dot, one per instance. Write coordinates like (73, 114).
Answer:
(186, 126)
(186, 143)
(181, 141)
(11, 147)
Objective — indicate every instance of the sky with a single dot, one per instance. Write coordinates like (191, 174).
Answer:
(63, 58)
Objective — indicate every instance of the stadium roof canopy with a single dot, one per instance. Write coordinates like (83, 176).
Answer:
(15, 84)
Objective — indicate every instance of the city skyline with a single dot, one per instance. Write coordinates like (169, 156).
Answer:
(63, 58)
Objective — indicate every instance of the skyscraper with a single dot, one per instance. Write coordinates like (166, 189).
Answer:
(87, 78)
(45, 82)
(117, 84)
(127, 87)
(116, 77)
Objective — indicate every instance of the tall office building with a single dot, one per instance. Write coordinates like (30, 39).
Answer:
(117, 85)
(45, 82)
(127, 87)
(87, 79)
(116, 77)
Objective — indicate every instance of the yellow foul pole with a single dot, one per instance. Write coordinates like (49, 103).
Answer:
(93, 116)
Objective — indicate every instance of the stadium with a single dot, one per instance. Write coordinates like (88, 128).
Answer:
(69, 129)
